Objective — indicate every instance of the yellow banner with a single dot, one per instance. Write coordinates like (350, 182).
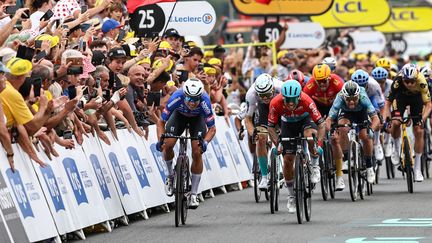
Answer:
(349, 13)
(408, 19)
(282, 7)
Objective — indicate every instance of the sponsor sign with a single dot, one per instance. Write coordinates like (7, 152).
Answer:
(195, 18)
(418, 43)
(282, 7)
(398, 44)
(354, 13)
(407, 19)
(304, 35)
(365, 41)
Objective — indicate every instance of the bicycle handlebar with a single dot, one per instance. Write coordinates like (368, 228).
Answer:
(163, 136)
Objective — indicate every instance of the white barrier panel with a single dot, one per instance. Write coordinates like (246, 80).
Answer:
(211, 170)
(227, 167)
(28, 196)
(243, 144)
(63, 209)
(11, 228)
(121, 169)
(105, 180)
(83, 185)
(151, 188)
(158, 159)
(236, 153)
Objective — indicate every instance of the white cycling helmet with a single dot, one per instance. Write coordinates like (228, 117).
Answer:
(426, 71)
(331, 62)
(350, 89)
(264, 84)
(193, 87)
(409, 71)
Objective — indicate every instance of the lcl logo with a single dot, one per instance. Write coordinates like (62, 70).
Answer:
(404, 15)
(350, 7)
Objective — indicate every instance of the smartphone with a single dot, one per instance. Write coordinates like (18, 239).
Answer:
(40, 55)
(121, 35)
(76, 61)
(25, 52)
(48, 14)
(75, 70)
(183, 75)
(26, 14)
(200, 67)
(37, 85)
(38, 44)
(57, 23)
(72, 92)
(153, 98)
(84, 9)
(106, 94)
(82, 46)
(11, 9)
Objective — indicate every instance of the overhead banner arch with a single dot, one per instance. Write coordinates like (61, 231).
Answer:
(349, 13)
(408, 19)
(282, 7)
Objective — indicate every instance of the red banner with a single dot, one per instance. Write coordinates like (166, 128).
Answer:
(134, 4)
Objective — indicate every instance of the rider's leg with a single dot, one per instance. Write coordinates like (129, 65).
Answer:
(168, 154)
(418, 146)
(367, 147)
(197, 167)
(288, 172)
(308, 133)
(261, 149)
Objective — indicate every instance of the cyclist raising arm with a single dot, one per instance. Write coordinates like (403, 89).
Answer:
(296, 110)
(189, 107)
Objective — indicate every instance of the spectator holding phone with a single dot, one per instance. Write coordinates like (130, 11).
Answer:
(41, 13)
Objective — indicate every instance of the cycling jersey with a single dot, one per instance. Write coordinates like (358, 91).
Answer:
(398, 89)
(252, 98)
(305, 107)
(363, 104)
(327, 97)
(387, 87)
(177, 103)
(373, 90)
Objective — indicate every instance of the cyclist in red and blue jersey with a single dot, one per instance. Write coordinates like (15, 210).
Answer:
(189, 107)
(299, 115)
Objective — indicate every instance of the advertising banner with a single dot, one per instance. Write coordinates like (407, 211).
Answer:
(196, 18)
(243, 144)
(407, 19)
(418, 43)
(365, 41)
(28, 197)
(354, 13)
(121, 170)
(304, 35)
(281, 7)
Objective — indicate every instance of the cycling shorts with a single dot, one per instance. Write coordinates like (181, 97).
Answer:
(292, 130)
(178, 122)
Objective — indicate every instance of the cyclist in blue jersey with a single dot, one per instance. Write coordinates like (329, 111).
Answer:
(354, 106)
(375, 94)
(189, 107)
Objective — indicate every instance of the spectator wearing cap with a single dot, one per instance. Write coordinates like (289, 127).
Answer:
(4, 134)
(110, 29)
(14, 106)
(53, 48)
(219, 52)
(193, 59)
(98, 58)
(75, 32)
(282, 68)
(173, 38)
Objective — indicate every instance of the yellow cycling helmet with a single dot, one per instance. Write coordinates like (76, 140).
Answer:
(321, 72)
(384, 63)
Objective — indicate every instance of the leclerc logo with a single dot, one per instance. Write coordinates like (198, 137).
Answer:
(206, 19)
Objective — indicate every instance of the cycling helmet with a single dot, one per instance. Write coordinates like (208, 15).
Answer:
(264, 84)
(394, 68)
(409, 71)
(379, 73)
(384, 63)
(350, 89)
(331, 62)
(360, 77)
(426, 71)
(291, 89)
(296, 75)
(193, 87)
(321, 71)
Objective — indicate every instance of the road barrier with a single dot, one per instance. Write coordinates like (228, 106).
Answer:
(96, 183)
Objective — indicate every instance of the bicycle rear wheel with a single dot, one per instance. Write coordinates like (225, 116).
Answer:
(299, 187)
(408, 165)
(353, 178)
(424, 158)
(186, 189)
(307, 194)
(273, 182)
(257, 178)
(362, 174)
(389, 168)
(178, 190)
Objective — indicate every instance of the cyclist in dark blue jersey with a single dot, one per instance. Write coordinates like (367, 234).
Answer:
(189, 107)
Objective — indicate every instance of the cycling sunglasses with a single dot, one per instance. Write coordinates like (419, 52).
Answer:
(192, 99)
(291, 100)
(409, 81)
(322, 81)
(352, 98)
(266, 95)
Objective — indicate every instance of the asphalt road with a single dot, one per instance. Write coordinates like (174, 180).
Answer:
(391, 214)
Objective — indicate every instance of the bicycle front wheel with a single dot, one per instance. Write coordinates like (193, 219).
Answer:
(273, 182)
(324, 174)
(331, 170)
(179, 190)
(353, 178)
(307, 194)
(299, 187)
(257, 178)
(408, 165)
(186, 190)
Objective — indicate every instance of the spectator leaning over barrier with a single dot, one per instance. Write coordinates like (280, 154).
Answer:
(5, 139)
